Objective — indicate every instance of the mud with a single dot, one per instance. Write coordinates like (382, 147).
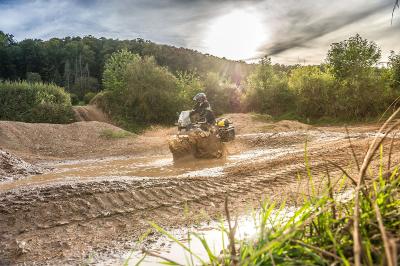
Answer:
(197, 144)
(90, 209)
(13, 168)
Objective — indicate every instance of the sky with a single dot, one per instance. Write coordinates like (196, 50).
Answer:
(289, 31)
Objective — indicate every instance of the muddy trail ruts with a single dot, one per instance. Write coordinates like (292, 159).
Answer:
(66, 222)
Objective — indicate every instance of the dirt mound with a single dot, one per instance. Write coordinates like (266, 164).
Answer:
(256, 123)
(245, 123)
(90, 113)
(291, 125)
(73, 141)
(13, 168)
(197, 144)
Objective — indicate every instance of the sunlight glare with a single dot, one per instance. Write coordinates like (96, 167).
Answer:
(237, 35)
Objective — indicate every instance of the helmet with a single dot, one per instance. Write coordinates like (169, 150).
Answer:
(200, 97)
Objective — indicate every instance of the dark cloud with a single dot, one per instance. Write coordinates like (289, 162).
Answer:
(305, 27)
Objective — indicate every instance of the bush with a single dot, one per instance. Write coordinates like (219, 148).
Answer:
(88, 97)
(34, 102)
(33, 77)
(314, 91)
(138, 90)
(74, 99)
(350, 87)
(267, 91)
(189, 85)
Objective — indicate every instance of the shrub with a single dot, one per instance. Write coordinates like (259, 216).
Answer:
(314, 91)
(138, 90)
(74, 99)
(189, 85)
(223, 97)
(88, 97)
(33, 77)
(34, 102)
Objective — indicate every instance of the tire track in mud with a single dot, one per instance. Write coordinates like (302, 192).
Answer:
(49, 210)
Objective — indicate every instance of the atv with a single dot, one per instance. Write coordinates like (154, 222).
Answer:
(196, 138)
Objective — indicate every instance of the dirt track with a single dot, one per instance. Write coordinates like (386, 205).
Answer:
(99, 203)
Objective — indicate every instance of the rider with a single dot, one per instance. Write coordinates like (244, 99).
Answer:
(203, 109)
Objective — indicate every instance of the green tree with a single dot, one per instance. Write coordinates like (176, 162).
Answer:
(115, 70)
(353, 57)
(138, 90)
(188, 85)
(394, 63)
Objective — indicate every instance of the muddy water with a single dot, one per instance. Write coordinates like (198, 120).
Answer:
(248, 226)
(163, 166)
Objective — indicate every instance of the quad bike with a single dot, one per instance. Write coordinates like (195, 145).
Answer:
(198, 139)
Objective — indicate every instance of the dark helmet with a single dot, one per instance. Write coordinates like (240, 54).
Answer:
(200, 97)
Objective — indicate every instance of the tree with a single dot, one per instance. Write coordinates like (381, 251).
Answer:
(115, 70)
(353, 57)
(138, 90)
(188, 84)
(394, 63)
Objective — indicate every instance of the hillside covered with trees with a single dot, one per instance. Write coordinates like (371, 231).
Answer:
(77, 63)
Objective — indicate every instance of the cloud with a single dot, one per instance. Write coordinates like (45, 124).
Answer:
(310, 23)
(294, 28)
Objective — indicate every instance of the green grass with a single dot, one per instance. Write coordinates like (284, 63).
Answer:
(115, 134)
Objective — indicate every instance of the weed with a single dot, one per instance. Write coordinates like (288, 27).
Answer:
(115, 134)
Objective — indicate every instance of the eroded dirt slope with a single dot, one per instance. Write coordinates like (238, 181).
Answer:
(90, 113)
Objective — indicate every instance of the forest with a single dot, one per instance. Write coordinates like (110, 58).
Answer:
(77, 64)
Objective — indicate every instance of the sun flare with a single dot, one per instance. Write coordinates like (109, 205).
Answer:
(236, 35)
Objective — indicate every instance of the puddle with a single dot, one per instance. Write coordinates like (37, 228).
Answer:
(248, 226)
